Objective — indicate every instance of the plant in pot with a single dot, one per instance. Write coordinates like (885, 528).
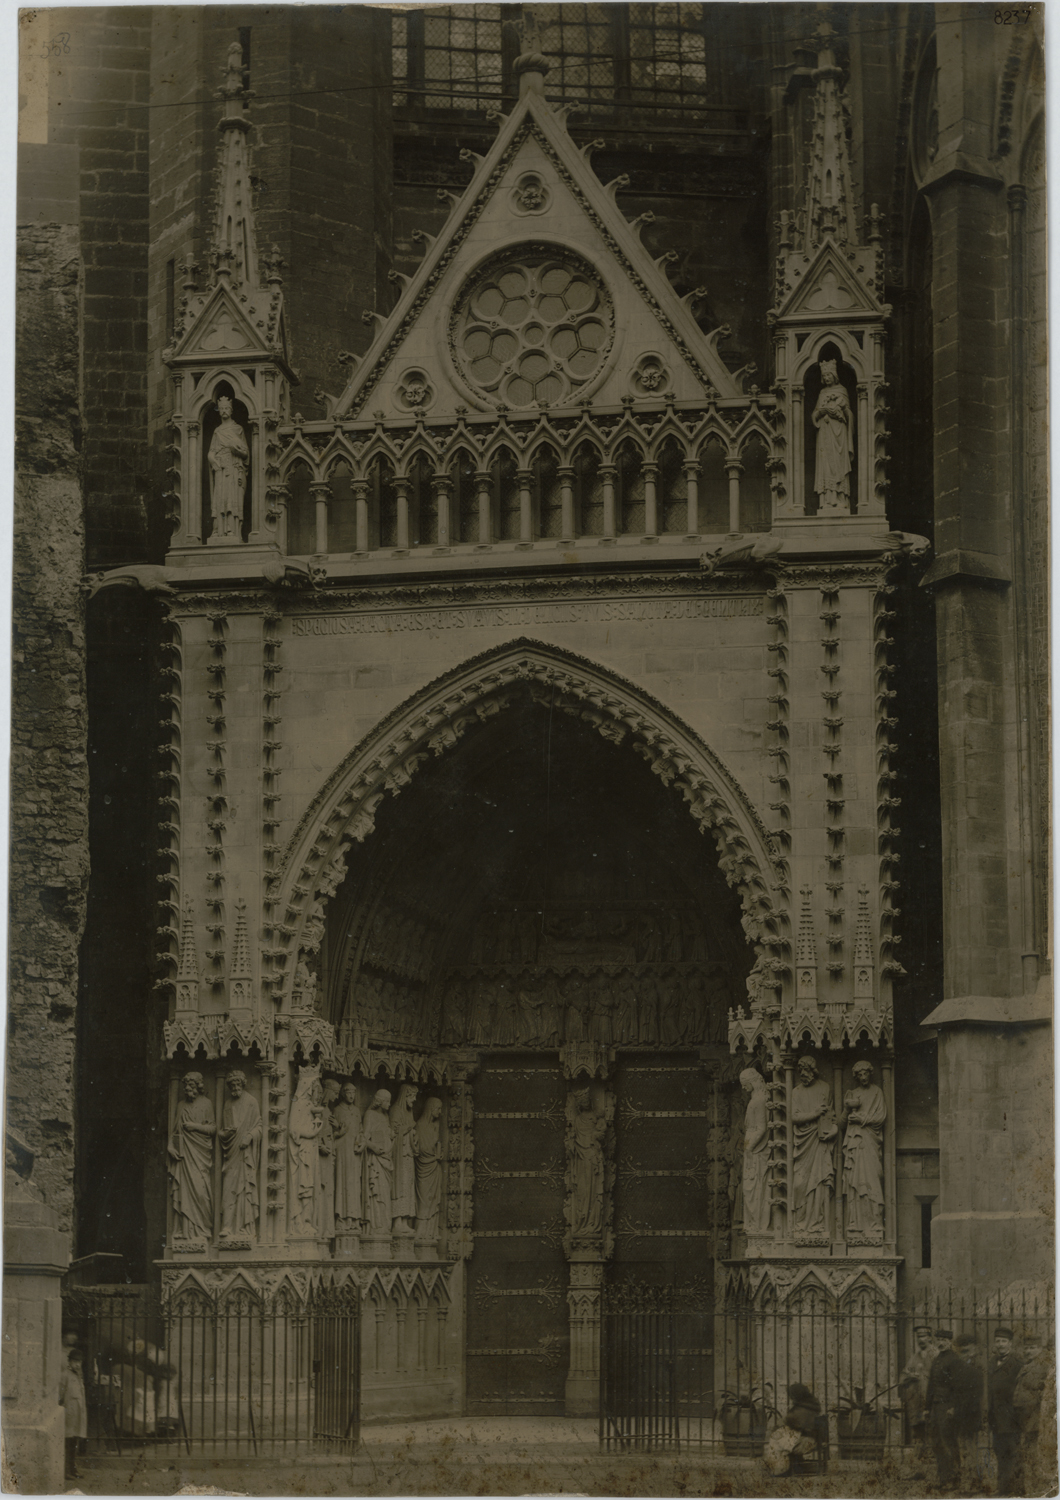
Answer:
(862, 1423)
(744, 1417)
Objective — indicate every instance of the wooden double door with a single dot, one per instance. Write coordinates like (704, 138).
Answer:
(669, 1199)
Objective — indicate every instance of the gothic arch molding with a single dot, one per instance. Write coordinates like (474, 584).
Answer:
(433, 722)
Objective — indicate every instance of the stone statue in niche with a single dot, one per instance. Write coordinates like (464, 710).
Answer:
(379, 1156)
(191, 1162)
(863, 1117)
(325, 1197)
(240, 1138)
(813, 1170)
(833, 420)
(587, 1186)
(349, 1162)
(403, 1192)
(228, 459)
(427, 1149)
(304, 1126)
(755, 1153)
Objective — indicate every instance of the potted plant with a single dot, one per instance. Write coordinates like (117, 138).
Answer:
(862, 1424)
(744, 1416)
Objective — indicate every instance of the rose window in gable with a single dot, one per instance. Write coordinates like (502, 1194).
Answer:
(533, 328)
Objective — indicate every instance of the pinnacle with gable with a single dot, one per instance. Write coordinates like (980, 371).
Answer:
(234, 252)
(829, 200)
(240, 966)
(188, 965)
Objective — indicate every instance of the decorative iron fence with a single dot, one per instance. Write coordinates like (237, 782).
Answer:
(231, 1376)
(677, 1373)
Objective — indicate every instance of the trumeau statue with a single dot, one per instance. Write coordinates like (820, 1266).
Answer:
(349, 1161)
(403, 1192)
(813, 1171)
(240, 1138)
(835, 442)
(755, 1154)
(228, 459)
(864, 1114)
(427, 1148)
(587, 1186)
(379, 1151)
(191, 1162)
(304, 1126)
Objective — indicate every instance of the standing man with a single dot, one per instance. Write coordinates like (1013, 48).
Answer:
(1002, 1372)
(913, 1387)
(952, 1404)
(1027, 1402)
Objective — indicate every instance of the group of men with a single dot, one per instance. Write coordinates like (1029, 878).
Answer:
(942, 1391)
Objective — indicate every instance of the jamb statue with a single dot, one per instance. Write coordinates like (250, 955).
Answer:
(864, 1113)
(240, 1136)
(191, 1162)
(755, 1154)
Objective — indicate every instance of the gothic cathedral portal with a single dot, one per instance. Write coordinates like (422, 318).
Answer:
(539, 915)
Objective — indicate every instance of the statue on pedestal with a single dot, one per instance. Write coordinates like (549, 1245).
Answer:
(228, 459)
(755, 1154)
(403, 1192)
(325, 1198)
(240, 1138)
(379, 1150)
(191, 1162)
(863, 1117)
(349, 1162)
(587, 1164)
(427, 1148)
(813, 1170)
(304, 1126)
(835, 443)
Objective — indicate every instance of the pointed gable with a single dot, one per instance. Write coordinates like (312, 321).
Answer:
(220, 326)
(515, 302)
(829, 284)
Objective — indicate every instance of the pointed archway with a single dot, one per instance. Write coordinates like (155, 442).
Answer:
(459, 705)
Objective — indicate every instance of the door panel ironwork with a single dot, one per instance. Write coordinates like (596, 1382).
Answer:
(517, 1322)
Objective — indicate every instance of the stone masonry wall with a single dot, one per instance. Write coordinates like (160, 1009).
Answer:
(49, 772)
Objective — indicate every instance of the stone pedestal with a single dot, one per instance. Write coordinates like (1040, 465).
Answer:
(582, 1395)
(35, 1256)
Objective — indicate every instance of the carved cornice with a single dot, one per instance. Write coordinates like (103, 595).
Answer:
(273, 1287)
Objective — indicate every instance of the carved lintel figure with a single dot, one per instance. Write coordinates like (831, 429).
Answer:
(325, 1198)
(863, 1117)
(427, 1149)
(755, 1153)
(379, 1156)
(304, 1126)
(403, 1196)
(813, 1170)
(191, 1162)
(349, 1162)
(835, 442)
(228, 460)
(240, 1138)
(587, 1185)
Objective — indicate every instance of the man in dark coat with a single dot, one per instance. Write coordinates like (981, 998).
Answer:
(952, 1405)
(1002, 1373)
